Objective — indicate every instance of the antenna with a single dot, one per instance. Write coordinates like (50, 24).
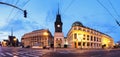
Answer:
(11, 31)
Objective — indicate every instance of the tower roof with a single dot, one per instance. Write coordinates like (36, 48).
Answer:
(58, 16)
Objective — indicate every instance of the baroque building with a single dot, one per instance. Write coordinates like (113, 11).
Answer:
(80, 36)
(41, 38)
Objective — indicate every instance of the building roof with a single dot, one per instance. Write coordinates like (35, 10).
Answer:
(77, 23)
(36, 32)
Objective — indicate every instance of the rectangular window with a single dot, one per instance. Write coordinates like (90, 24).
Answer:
(87, 37)
(83, 43)
(88, 44)
(94, 38)
(91, 44)
(75, 36)
(83, 29)
(84, 35)
(84, 38)
(75, 28)
(99, 40)
(87, 30)
(79, 43)
(79, 28)
(91, 38)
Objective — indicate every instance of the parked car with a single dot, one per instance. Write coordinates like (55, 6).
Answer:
(27, 47)
(46, 47)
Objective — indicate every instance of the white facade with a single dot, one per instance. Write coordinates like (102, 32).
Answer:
(58, 39)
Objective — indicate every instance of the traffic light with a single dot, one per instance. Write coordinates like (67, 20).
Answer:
(117, 22)
(25, 13)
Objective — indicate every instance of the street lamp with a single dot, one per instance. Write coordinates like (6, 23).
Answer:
(80, 37)
(46, 35)
(108, 43)
(4, 43)
(15, 39)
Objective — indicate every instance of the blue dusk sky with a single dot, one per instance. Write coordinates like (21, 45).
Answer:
(96, 14)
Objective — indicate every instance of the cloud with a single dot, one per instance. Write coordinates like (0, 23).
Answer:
(19, 27)
(3, 35)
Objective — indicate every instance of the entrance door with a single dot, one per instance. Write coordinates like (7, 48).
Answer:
(75, 44)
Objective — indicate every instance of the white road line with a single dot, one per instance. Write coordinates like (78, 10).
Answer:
(15, 56)
(9, 54)
(2, 54)
(64, 52)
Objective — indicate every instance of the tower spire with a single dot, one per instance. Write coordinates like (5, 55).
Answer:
(11, 31)
(58, 8)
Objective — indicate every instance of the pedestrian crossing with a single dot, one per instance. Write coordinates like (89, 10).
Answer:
(23, 54)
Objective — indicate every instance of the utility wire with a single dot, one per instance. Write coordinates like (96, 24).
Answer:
(21, 7)
(113, 8)
(107, 10)
(69, 6)
(12, 9)
(26, 3)
(115, 12)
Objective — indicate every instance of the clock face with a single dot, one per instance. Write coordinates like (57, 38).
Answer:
(58, 25)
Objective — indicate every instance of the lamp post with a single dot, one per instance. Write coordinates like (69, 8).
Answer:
(80, 37)
(109, 44)
(46, 35)
(15, 39)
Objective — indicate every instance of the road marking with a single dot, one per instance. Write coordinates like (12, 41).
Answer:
(15, 56)
(64, 52)
(2, 54)
(9, 54)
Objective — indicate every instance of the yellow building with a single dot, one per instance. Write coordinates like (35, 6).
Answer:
(107, 41)
(4, 43)
(80, 36)
(41, 38)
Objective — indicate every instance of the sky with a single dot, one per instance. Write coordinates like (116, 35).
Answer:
(42, 15)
